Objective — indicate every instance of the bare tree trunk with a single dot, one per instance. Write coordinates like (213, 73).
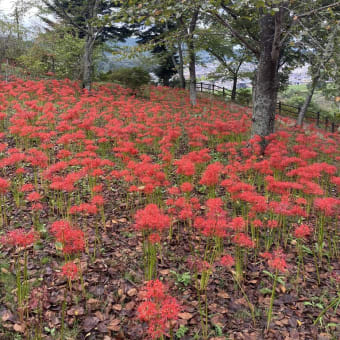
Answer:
(192, 58)
(192, 73)
(308, 99)
(266, 86)
(233, 91)
(87, 62)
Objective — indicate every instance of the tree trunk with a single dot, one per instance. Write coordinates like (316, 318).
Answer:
(233, 91)
(87, 62)
(266, 85)
(308, 99)
(192, 73)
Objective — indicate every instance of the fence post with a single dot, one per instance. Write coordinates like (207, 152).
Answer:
(201, 87)
(326, 123)
(223, 92)
(213, 88)
(318, 119)
(333, 127)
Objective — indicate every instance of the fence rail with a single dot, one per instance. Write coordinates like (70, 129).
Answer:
(282, 108)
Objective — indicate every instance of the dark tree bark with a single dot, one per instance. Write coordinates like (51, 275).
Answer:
(234, 89)
(266, 85)
(192, 73)
(87, 62)
(192, 58)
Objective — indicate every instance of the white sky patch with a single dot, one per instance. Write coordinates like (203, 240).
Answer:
(30, 19)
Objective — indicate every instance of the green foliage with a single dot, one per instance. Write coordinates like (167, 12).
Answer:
(59, 52)
(184, 278)
(244, 96)
(133, 78)
(182, 330)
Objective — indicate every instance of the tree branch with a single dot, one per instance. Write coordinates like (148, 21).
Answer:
(236, 34)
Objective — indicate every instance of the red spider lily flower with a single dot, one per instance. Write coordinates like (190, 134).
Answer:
(237, 224)
(19, 238)
(185, 167)
(20, 171)
(210, 176)
(58, 229)
(276, 261)
(158, 309)
(154, 238)
(243, 240)
(227, 261)
(70, 270)
(272, 224)
(33, 197)
(27, 187)
(328, 205)
(302, 231)
(37, 207)
(4, 185)
(214, 223)
(151, 218)
(186, 187)
(98, 200)
(97, 188)
(74, 241)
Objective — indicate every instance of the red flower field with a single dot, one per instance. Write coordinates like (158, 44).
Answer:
(127, 217)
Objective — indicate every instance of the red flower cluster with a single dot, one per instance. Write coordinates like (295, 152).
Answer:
(276, 261)
(158, 309)
(72, 239)
(70, 270)
(151, 218)
(214, 223)
(19, 238)
(302, 231)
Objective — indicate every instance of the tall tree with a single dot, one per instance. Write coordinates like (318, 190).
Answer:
(94, 21)
(276, 24)
(167, 58)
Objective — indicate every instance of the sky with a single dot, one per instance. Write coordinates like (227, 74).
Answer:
(30, 18)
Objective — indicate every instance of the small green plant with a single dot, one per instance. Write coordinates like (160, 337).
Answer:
(182, 330)
(218, 330)
(184, 278)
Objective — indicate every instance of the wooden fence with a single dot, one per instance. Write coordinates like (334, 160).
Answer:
(282, 108)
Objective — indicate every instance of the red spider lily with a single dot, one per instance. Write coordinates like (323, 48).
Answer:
(210, 176)
(27, 187)
(70, 270)
(33, 197)
(19, 238)
(214, 223)
(151, 218)
(74, 241)
(4, 185)
(302, 231)
(328, 205)
(243, 240)
(276, 261)
(186, 187)
(154, 238)
(158, 309)
(185, 167)
(227, 261)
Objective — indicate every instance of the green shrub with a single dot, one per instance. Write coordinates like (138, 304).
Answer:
(131, 77)
(244, 96)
